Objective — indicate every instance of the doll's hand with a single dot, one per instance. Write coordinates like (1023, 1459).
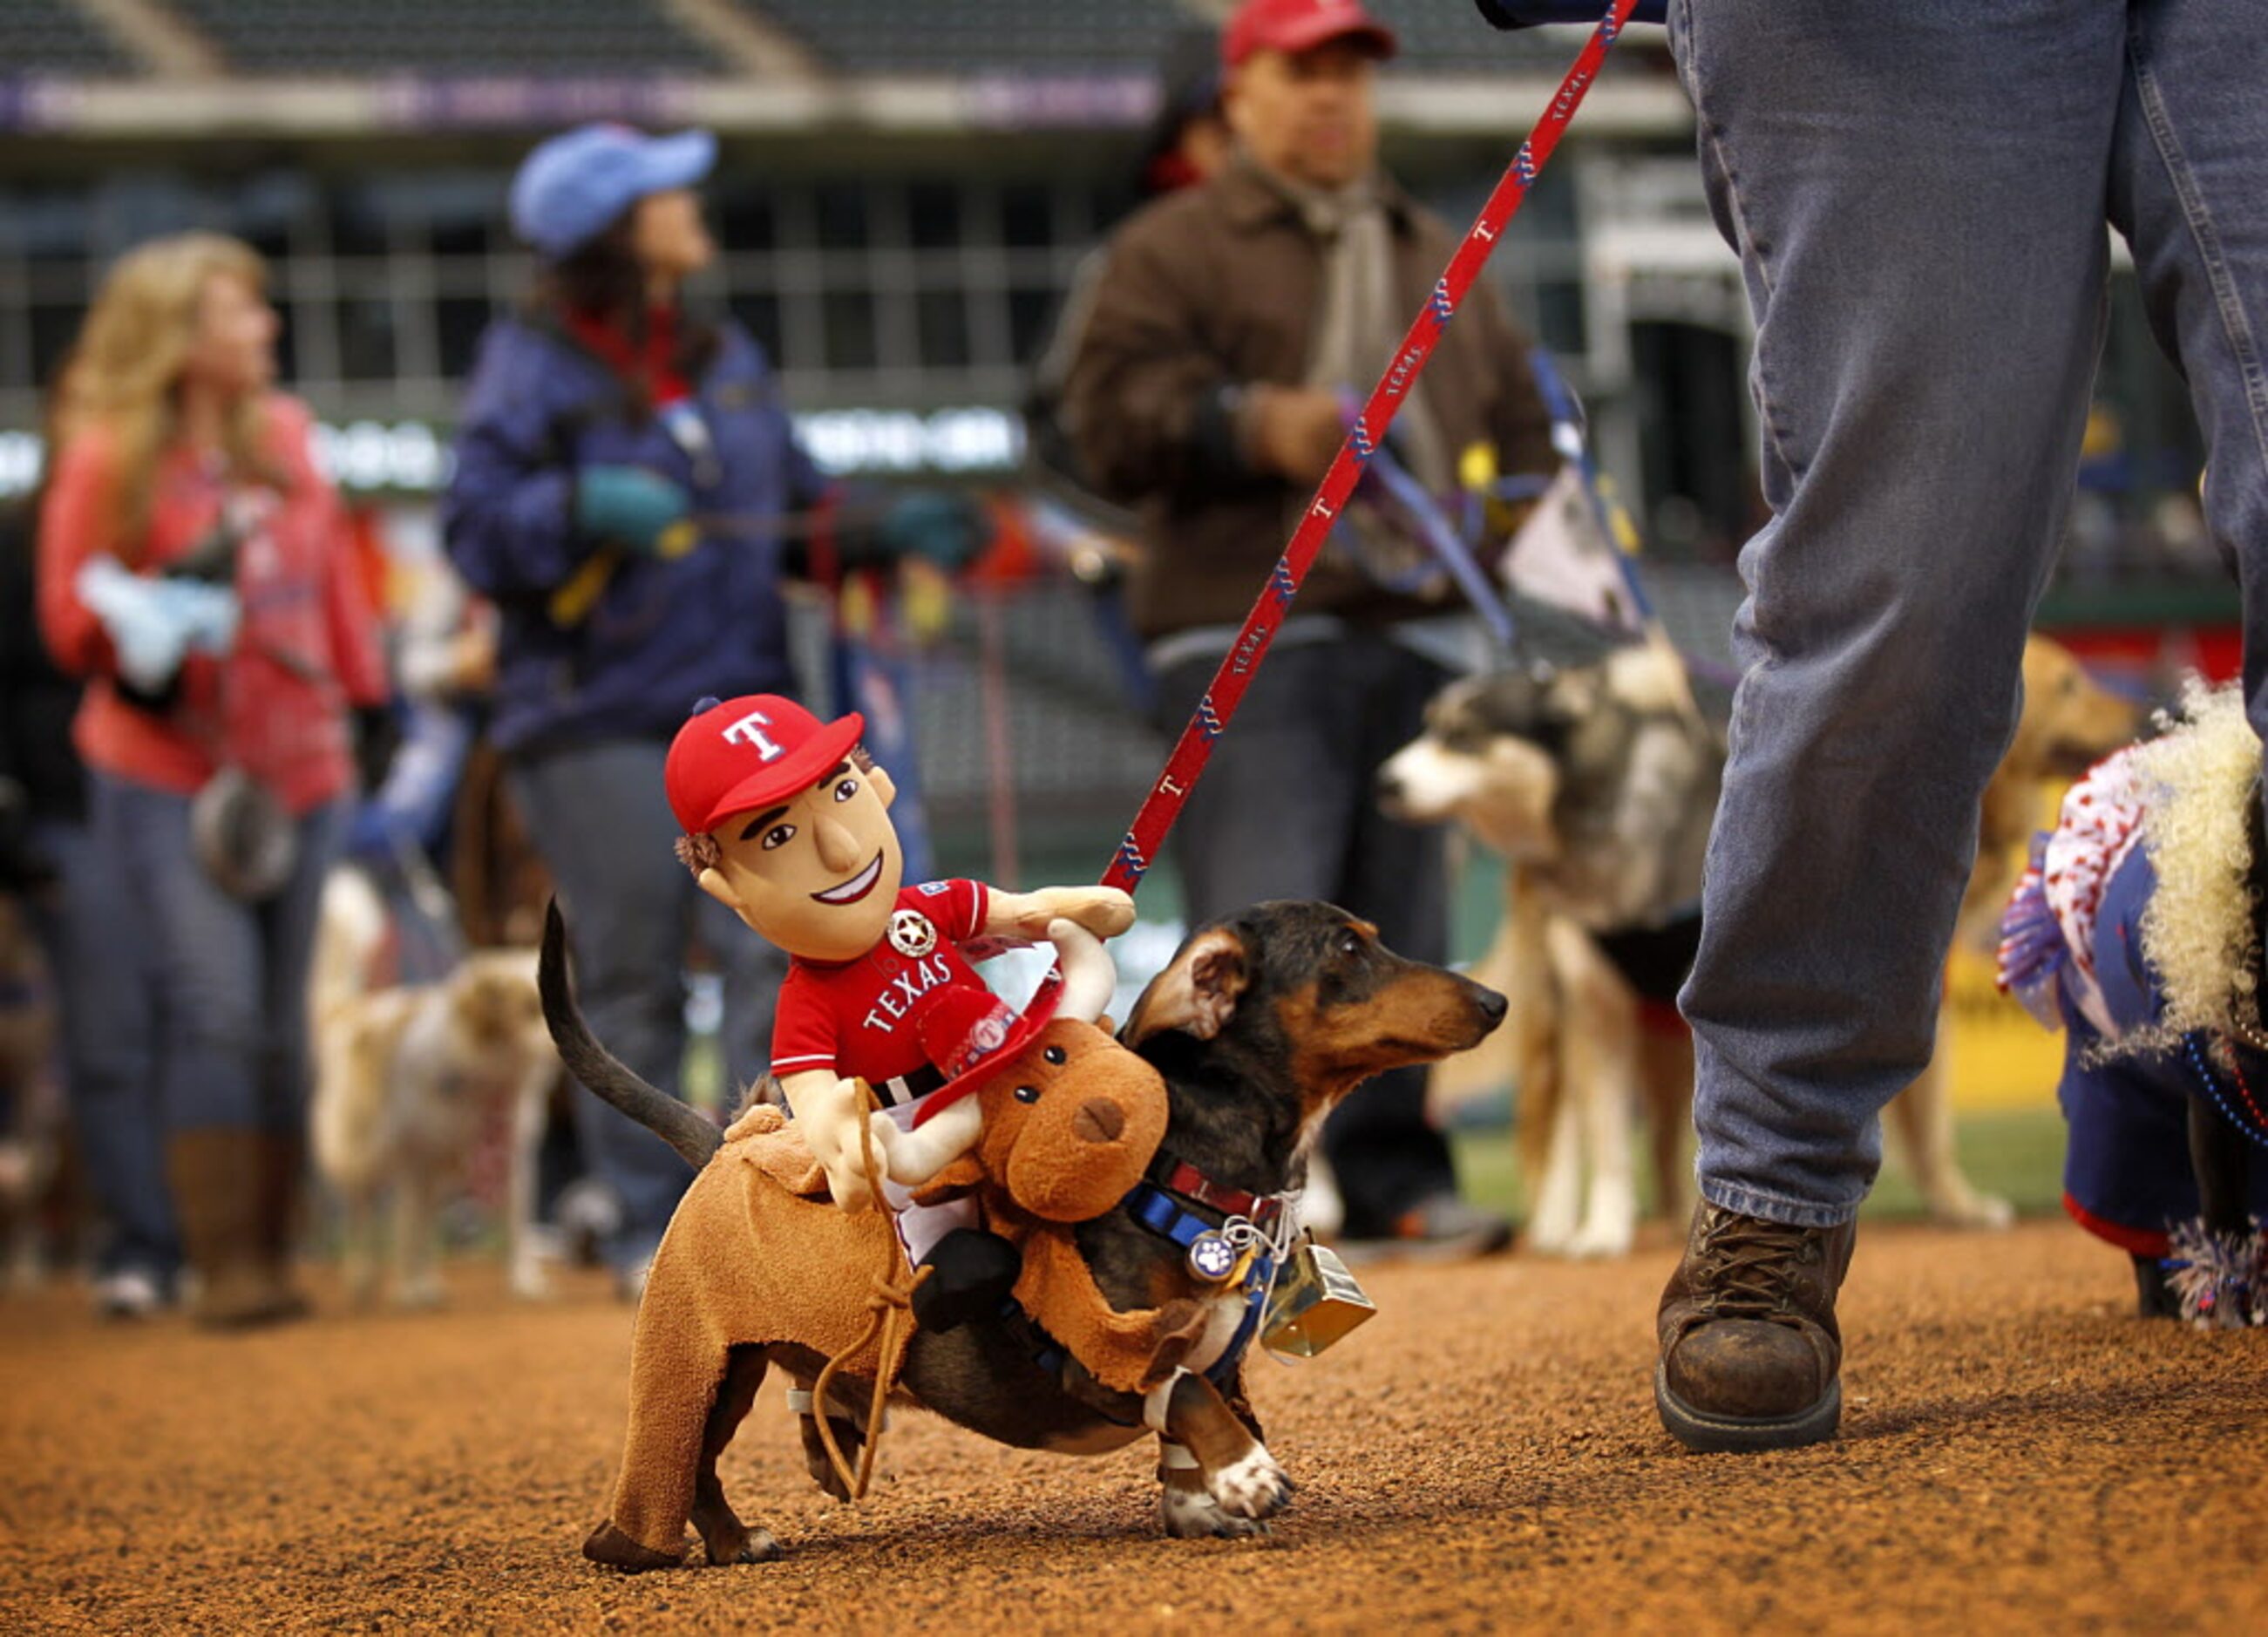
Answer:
(1106, 911)
(831, 1112)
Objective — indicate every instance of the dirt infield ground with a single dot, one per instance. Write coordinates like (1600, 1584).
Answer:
(2019, 1454)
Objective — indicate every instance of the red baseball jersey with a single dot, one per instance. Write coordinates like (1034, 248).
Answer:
(861, 1017)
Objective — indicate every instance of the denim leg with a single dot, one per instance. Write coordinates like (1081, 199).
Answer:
(1272, 817)
(1384, 1149)
(1917, 192)
(287, 931)
(2191, 151)
(105, 996)
(1285, 810)
(599, 816)
(752, 967)
(206, 953)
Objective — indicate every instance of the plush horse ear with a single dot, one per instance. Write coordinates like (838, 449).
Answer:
(1198, 991)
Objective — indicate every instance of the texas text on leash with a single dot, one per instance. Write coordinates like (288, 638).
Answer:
(1259, 1025)
(1597, 782)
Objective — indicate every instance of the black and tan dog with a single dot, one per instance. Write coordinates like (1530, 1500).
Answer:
(1259, 1025)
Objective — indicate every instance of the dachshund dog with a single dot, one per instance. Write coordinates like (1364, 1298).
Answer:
(1261, 1023)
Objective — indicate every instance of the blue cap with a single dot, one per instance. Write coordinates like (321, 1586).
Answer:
(578, 184)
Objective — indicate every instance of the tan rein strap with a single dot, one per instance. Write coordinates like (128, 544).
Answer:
(888, 1307)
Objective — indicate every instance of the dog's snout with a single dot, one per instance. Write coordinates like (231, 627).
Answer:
(1492, 1005)
(1098, 1120)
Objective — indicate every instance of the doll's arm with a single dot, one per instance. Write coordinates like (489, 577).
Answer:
(914, 1157)
(831, 1112)
(1106, 911)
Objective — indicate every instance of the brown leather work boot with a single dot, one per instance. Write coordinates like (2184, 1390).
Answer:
(1751, 1358)
(214, 1176)
(282, 1176)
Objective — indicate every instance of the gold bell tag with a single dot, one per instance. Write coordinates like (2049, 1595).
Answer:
(1314, 1301)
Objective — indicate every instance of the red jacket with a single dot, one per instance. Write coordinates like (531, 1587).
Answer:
(308, 647)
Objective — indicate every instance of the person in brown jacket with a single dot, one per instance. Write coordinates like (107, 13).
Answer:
(1206, 388)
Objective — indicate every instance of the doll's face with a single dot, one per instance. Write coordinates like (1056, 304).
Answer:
(817, 875)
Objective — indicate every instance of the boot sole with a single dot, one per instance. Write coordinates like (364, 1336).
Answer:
(1733, 1434)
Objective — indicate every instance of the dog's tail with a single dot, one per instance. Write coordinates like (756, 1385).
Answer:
(350, 928)
(608, 1076)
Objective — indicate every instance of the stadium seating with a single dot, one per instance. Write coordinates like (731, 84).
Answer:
(54, 37)
(436, 36)
(1070, 36)
(1448, 37)
(1031, 36)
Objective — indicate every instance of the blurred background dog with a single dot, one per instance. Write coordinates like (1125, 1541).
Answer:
(1596, 783)
(413, 1083)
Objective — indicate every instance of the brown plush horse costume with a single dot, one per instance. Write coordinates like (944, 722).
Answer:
(757, 1256)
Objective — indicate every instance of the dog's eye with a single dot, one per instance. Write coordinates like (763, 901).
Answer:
(1053, 1054)
(778, 835)
(847, 789)
(1027, 1093)
(1349, 944)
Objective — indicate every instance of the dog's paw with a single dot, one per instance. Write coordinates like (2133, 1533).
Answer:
(1255, 1486)
(755, 1545)
(1193, 1514)
(421, 1294)
(1596, 1240)
(1970, 1209)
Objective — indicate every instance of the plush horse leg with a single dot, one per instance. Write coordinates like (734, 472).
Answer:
(671, 1397)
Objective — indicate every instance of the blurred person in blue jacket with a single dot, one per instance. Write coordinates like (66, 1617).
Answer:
(618, 465)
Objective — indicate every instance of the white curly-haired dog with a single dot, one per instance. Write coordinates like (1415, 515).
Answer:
(407, 1080)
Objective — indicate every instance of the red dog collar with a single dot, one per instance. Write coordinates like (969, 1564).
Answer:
(1178, 1177)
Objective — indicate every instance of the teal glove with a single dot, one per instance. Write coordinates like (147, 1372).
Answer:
(948, 528)
(628, 504)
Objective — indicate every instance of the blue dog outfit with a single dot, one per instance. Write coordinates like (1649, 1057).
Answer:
(2132, 933)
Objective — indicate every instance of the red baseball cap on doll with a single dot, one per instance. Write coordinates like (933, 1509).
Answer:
(1295, 25)
(749, 753)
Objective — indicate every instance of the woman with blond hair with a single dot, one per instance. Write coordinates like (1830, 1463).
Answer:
(194, 565)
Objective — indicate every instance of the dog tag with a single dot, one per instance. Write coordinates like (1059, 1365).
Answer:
(1314, 1301)
(1211, 1258)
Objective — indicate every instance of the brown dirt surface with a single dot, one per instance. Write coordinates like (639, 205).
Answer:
(2019, 1452)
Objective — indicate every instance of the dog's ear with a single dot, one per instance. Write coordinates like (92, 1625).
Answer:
(1198, 991)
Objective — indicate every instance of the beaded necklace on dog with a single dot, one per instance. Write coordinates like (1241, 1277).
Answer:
(2256, 1128)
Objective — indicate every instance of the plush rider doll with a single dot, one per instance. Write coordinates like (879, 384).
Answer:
(787, 824)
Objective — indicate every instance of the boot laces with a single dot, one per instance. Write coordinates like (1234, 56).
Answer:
(1749, 1265)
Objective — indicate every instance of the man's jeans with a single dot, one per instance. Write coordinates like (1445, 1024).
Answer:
(600, 817)
(230, 977)
(1917, 190)
(1286, 810)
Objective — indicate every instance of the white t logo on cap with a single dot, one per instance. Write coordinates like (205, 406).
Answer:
(749, 731)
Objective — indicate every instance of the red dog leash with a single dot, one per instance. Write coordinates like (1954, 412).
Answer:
(1194, 749)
